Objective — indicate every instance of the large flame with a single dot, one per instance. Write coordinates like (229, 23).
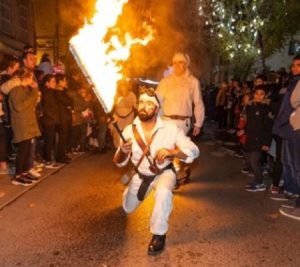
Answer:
(98, 59)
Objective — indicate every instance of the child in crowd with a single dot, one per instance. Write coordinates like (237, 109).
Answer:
(258, 132)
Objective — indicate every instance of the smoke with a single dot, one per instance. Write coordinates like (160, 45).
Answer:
(154, 58)
(175, 29)
(74, 13)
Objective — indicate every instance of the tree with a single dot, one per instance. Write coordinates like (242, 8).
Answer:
(245, 30)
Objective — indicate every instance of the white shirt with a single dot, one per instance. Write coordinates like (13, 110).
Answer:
(168, 136)
(178, 94)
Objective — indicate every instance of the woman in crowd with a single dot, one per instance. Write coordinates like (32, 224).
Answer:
(125, 105)
(22, 101)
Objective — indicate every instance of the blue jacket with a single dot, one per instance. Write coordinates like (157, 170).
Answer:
(281, 126)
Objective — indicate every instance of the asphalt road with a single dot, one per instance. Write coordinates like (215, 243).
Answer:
(74, 218)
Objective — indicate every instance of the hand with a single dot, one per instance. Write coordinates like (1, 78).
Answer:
(39, 97)
(34, 84)
(162, 154)
(196, 131)
(126, 147)
(265, 148)
(240, 133)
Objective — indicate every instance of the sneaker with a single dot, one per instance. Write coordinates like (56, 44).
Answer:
(51, 165)
(265, 172)
(245, 170)
(248, 172)
(255, 187)
(38, 169)
(30, 177)
(11, 157)
(238, 154)
(38, 164)
(290, 204)
(65, 160)
(280, 197)
(274, 189)
(21, 181)
(34, 173)
(290, 194)
(291, 213)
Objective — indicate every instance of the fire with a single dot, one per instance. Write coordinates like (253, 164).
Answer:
(98, 59)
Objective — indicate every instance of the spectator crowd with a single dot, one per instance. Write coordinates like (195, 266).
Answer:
(264, 116)
(47, 116)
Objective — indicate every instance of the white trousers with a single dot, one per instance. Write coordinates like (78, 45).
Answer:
(163, 185)
(185, 125)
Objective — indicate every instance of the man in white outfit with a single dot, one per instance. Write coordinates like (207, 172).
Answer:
(163, 142)
(178, 93)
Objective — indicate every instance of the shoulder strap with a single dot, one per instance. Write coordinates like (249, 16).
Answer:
(145, 148)
(138, 138)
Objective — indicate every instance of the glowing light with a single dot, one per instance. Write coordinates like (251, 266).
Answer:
(100, 59)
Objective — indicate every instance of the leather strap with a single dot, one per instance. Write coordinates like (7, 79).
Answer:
(147, 180)
(177, 117)
(145, 148)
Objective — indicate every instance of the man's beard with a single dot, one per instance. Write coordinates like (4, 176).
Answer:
(144, 116)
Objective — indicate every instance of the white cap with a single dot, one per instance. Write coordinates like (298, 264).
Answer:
(153, 99)
(181, 57)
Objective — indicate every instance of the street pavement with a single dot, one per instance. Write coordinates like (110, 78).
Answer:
(74, 218)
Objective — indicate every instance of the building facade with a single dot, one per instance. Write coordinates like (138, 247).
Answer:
(16, 26)
(283, 57)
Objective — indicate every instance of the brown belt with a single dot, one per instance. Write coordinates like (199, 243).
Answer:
(177, 117)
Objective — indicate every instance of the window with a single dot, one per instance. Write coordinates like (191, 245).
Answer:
(5, 15)
(23, 19)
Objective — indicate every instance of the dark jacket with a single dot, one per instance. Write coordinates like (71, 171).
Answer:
(5, 105)
(50, 107)
(79, 106)
(65, 106)
(282, 126)
(258, 126)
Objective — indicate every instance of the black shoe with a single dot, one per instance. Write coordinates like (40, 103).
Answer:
(21, 181)
(30, 177)
(157, 244)
(64, 161)
(102, 151)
